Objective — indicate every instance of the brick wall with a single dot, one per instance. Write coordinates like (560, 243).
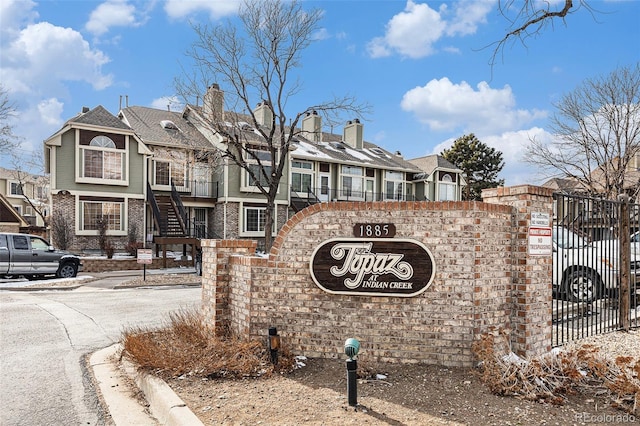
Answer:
(481, 282)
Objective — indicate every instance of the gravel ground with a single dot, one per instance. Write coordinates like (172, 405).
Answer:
(404, 395)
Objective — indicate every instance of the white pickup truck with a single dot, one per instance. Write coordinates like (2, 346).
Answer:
(33, 258)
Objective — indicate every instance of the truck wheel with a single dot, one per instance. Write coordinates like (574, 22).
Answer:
(582, 286)
(67, 270)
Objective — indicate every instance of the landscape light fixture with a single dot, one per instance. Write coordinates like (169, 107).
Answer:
(274, 344)
(351, 349)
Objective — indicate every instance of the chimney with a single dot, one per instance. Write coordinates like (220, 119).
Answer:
(312, 126)
(353, 134)
(213, 103)
(263, 114)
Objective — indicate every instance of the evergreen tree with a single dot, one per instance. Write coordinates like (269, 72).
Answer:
(479, 162)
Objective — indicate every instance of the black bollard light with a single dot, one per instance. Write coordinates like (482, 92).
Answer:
(351, 349)
(274, 344)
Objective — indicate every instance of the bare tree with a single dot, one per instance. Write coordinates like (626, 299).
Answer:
(596, 135)
(530, 18)
(61, 230)
(256, 64)
(7, 110)
(34, 186)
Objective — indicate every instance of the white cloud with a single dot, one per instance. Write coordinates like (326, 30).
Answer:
(512, 145)
(43, 55)
(15, 15)
(414, 32)
(178, 9)
(112, 13)
(468, 14)
(38, 60)
(444, 105)
(411, 33)
(50, 111)
(174, 103)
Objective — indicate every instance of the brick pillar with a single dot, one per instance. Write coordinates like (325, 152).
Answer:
(531, 292)
(215, 279)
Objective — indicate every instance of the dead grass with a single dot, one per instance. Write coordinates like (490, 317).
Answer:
(185, 345)
(552, 377)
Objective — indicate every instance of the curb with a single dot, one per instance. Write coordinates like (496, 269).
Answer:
(34, 288)
(165, 405)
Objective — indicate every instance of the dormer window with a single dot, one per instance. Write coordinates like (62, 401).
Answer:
(168, 124)
(447, 189)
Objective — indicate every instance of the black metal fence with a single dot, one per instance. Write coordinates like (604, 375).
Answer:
(596, 267)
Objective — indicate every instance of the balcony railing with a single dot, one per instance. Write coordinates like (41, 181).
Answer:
(192, 188)
(326, 194)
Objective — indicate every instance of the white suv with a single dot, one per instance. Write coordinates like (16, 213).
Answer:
(582, 271)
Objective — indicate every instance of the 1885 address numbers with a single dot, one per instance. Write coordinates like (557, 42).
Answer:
(374, 230)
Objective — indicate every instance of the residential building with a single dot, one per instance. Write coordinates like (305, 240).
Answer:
(97, 167)
(442, 180)
(10, 220)
(28, 194)
(165, 174)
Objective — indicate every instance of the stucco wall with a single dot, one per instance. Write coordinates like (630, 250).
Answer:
(481, 282)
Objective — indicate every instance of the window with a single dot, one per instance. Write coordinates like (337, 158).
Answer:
(16, 188)
(39, 244)
(20, 242)
(252, 155)
(91, 213)
(352, 181)
(394, 185)
(102, 160)
(301, 176)
(446, 188)
(170, 166)
(254, 219)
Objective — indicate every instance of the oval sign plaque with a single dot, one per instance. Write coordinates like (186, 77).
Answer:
(372, 267)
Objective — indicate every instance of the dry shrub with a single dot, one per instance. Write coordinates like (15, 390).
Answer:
(553, 376)
(187, 346)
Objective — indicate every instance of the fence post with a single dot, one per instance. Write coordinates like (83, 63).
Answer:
(625, 262)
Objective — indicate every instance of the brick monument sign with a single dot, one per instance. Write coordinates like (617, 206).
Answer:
(412, 281)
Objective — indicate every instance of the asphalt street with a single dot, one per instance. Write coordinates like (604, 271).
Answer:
(45, 336)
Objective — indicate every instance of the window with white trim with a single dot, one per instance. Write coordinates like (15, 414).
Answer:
(352, 181)
(170, 166)
(92, 211)
(16, 188)
(101, 159)
(394, 185)
(446, 188)
(301, 176)
(258, 159)
(254, 219)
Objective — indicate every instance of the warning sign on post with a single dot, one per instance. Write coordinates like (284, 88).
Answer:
(145, 256)
(540, 241)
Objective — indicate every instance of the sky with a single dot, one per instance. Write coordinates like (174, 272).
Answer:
(422, 66)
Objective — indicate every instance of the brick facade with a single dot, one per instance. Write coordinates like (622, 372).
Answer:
(66, 205)
(484, 280)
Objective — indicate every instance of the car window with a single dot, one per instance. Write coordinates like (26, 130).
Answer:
(567, 239)
(3, 241)
(20, 242)
(39, 244)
